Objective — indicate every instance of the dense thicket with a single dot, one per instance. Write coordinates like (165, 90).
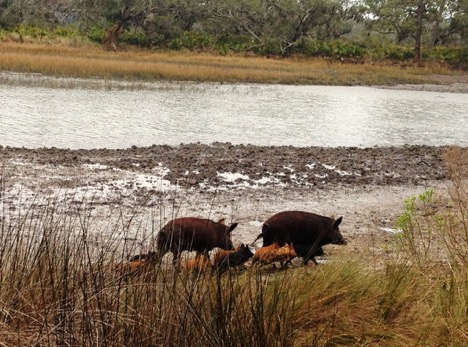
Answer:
(396, 29)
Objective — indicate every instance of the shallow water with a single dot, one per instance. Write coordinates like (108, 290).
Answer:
(250, 114)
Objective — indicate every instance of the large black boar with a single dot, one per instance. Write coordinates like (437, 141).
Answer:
(309, 230)
(193, 234)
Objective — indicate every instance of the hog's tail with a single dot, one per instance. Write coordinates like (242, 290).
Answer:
(258, 237)
(265, 229)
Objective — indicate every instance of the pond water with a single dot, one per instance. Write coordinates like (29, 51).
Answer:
(175, 113)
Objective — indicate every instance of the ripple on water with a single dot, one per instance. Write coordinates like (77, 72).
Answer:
(255, 114)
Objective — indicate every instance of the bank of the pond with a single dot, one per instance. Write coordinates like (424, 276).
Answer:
(137, 66)
(227, 166)
(244, 183)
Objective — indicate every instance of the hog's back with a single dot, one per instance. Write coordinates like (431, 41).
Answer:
(296, 227)
(192, 234)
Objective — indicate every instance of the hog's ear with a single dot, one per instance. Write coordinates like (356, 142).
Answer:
(222, 221)
(337, 222)
(232, 227)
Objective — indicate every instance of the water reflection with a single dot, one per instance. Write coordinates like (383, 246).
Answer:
(256, 114)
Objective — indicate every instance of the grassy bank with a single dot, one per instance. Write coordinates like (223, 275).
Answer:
(93, 62)
(59, 287)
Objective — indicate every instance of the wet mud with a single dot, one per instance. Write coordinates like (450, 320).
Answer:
(243, 183)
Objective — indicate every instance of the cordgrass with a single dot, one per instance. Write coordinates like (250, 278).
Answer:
(89, 61)
(57, 287)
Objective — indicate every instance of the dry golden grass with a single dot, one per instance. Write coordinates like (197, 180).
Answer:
(92, 61)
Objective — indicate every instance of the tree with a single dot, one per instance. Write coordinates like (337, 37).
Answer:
(459, 22)
(404, 19)
(283, 23)
(116, 15)
(428, 22)
(41, 14)
(420, 11)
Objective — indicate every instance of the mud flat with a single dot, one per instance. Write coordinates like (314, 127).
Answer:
(456, 83)
(141, 188)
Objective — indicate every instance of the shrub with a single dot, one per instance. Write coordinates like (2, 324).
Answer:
(136, 38)
(399, 53)
(96, 34)
(454, 56)
(334, 49)
(347, 50)
(435, 227)
(314, 48)
(192, 40)
(271, 46)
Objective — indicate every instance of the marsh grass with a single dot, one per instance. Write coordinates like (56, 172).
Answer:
(58, 286)
(435, 226)
(145, 66)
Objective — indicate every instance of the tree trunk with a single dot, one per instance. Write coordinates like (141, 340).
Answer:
(438, 19)
(112, 35)
(419, 29)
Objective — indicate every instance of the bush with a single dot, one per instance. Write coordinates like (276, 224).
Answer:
(32, 31)
(314, 48)
(436, 227)
(454, 56)
(270, 47)
(96, 34)
(67, 31)
(136, 38)
(399, 53)
(334, 49)
(347, 50)
(192, 40)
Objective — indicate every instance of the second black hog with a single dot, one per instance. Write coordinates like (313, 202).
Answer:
(310, 230)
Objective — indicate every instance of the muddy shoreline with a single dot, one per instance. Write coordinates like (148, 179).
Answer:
(223, 164)
(243, 183)
(444, 84)
(455, 83)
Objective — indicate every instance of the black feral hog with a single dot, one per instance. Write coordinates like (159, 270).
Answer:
(308, 252)
(193, 234)
(303, 229)
(226, 259)
(150, 256)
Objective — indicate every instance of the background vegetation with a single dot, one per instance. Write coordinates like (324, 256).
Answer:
(137, 67)
(341, 29)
